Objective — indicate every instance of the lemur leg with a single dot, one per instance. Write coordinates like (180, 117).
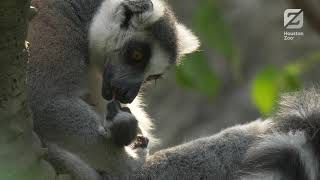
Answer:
(77, 132)
(71, 164)
(71, 124)
(69, 117)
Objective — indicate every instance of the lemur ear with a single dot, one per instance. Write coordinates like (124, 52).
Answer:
(187, 41)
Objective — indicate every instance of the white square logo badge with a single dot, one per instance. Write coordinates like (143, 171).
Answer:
(293, 18)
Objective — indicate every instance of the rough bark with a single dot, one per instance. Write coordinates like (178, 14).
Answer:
(21, 155)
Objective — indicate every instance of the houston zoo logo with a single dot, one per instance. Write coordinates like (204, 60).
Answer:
(293, 23)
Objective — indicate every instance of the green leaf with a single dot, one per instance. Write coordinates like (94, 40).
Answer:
(291, 78)
(195, 73)
(209, 22)
(265, 89)
(270, 83)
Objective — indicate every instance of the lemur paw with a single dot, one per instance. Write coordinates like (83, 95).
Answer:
(123, 126)
(140, 142)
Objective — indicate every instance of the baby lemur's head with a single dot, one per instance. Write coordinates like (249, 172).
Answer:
(125, 126)
(134, 41)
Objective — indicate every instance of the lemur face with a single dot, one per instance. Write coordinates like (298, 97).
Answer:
(134, 41)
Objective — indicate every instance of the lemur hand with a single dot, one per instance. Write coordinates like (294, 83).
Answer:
(140, 142)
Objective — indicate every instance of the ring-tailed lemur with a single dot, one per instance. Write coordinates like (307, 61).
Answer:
(84, 50)
(283, 147)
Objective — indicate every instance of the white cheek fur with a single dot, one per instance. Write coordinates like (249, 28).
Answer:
(159, 61)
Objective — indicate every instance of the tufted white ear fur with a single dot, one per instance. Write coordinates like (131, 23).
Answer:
(187, 41)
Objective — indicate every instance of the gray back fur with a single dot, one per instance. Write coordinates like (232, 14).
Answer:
(285, 147)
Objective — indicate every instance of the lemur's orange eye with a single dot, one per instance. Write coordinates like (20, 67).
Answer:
(137, 55)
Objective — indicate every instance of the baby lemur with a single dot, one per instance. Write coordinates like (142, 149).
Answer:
(84, 52)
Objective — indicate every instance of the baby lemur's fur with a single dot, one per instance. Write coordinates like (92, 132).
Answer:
(84, 52)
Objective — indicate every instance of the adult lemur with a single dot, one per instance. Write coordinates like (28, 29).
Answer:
(133, 41)
(84, 50)
(283, 147)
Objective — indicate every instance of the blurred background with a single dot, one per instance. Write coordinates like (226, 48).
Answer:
(243, 65)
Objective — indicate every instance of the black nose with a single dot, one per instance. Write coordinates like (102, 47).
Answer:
(126, 93)
(123, 89)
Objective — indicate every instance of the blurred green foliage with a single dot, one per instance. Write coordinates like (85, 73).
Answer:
(271, 81)
(209, 23)
(195, 72)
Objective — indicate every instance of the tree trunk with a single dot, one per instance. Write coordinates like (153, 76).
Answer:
(21, 155)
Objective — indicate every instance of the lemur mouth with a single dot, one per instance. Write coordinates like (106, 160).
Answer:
(122, 95)
(121, 91)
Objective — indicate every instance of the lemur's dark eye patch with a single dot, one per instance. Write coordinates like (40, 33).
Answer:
(137, 53)
(128, 15)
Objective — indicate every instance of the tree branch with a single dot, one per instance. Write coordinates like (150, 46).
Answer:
(21, 152)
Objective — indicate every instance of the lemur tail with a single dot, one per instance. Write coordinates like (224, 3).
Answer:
(71, 164)
(281, 156)
(290, 152)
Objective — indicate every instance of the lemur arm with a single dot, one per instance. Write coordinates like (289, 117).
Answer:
(76, 129)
